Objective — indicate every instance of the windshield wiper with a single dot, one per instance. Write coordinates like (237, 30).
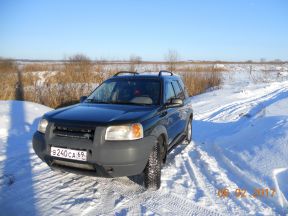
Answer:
(96, 101)
(115, 102)
(131, 103)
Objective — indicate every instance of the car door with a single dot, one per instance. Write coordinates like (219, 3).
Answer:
(172, 115)
(181, 111)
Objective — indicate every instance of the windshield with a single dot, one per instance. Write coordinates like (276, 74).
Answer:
(127, 91)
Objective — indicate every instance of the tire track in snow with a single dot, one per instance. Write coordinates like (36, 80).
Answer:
(204, 162)
(216, 113)
(200, 187)
(241, 179)
(165, 203)
(135, 198)
(216, 178)
(198, 169)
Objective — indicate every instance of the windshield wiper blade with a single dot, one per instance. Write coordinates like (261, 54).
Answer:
(115, 102)
(131, 103)
(96, 101)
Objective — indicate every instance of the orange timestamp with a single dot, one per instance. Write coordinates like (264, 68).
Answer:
(242, 193)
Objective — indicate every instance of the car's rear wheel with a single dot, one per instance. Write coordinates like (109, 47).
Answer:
(152, 171)
(188, 132)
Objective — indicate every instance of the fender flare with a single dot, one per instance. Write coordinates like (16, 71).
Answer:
(161, 130)
(190, 117)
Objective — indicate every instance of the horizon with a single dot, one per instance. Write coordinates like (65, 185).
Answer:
(248, 61)
(198, 30)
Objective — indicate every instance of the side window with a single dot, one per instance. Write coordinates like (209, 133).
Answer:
(178, 90)
(169, 94)
(183, 88)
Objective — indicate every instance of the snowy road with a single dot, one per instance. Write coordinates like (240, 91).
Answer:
(240, 141)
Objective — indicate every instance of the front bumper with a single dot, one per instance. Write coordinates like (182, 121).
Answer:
(104, 158)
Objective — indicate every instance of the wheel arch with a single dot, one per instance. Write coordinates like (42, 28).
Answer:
(158, 131)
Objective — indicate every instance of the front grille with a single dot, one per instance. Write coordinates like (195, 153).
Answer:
(74, 132)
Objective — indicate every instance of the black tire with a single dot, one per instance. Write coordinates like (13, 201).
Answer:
(188, 129)
(152, 171)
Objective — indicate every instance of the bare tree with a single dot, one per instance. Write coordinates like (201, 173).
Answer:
(78, 63)
(134, 62)
(172, 57)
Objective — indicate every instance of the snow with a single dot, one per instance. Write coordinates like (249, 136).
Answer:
(240, 141)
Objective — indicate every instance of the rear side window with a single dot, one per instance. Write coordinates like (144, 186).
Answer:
(178, 90)
(183, 88)
(170, 93)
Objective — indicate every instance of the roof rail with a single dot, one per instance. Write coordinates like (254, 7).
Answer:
(164, 71)
(125, 72)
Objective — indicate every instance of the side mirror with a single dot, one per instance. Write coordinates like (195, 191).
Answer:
(83, 98)
(176, 102)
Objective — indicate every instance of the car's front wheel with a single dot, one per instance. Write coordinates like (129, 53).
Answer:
(152, 171)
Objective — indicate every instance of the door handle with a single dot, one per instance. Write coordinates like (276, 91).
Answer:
(164, 113)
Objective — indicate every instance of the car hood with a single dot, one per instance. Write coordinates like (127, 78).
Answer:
(101, 114)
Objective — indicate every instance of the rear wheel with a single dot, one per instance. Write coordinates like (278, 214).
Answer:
(152, 171)
(188, 132)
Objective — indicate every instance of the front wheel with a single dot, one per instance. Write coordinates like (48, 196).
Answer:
(152, 171)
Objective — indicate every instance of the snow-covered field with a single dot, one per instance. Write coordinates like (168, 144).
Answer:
(240, 143)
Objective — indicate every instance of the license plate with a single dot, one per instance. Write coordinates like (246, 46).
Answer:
(69, 154)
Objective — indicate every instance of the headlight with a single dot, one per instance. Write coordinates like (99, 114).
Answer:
(42, 125)
(124, 132)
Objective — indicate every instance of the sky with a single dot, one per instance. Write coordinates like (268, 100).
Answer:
(233, 30)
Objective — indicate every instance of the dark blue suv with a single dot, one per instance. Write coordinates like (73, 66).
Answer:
(126, 127)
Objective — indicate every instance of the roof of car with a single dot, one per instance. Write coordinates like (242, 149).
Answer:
(148, 75)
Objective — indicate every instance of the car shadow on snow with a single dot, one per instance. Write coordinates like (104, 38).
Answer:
(17, 196)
